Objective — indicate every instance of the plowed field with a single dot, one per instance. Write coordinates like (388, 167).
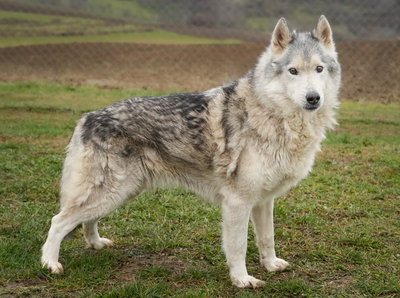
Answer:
(370, 68)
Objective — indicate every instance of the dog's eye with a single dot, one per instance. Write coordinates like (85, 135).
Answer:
(293, 71)
(320, 68)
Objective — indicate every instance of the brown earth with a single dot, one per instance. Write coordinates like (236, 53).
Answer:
(370, 68)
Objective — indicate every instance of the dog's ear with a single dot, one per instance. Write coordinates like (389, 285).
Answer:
(280, 37)
(324, 33)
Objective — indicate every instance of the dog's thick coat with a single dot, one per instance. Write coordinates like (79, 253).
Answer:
(240, 145)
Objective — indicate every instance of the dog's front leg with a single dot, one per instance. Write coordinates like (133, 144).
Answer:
(235, 220)
(263, 220)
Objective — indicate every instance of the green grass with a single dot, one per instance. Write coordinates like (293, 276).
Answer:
(33, 96)
(33, 24)
(120, 8)
(22, 25)
(339, 228)
(25, 29)
(150, 37)
(31, 17)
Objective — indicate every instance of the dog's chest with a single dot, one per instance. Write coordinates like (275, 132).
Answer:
(276, 167)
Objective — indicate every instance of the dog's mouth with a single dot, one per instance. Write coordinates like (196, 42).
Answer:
(309, 107)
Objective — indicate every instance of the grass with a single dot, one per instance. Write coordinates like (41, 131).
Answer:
(25, 29)
(339, 228)
(150, 37)
(19, 24)
(119, 9)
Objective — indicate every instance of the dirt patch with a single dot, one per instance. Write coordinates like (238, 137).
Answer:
(342, 282)
(163, 264)
(160, 67)
(370, 68)
(11, 289)
(130, 268)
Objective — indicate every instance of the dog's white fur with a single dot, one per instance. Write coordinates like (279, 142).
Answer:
(263, 158)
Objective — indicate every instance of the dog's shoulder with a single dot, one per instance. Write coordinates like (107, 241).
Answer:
(228, 123)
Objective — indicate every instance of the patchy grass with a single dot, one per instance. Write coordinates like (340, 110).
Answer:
(339, 228)
(148, 37)
(19, 24)
(120, 8)
(25, 29)
(43, 97)
(117, 9)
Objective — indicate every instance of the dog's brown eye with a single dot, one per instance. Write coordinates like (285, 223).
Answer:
(293, 71)
(320, 68)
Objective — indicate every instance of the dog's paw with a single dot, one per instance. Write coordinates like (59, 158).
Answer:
(101, 243)
(248, 282)
(53, 267)
(275, 264)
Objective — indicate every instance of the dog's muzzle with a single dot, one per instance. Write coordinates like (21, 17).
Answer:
(313, 102)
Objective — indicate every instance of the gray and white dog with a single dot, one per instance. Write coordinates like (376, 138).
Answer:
(240, 145)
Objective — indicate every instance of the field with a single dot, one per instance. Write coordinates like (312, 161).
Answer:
(339, 229)
(24, 29)
(114, 53)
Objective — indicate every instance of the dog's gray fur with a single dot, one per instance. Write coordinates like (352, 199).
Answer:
(240, 145)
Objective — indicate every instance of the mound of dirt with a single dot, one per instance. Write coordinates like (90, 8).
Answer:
(370, 68)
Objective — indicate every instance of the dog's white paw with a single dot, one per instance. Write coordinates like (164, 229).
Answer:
(248, 282)
(275, 264)
(102, 242)
(53, 267)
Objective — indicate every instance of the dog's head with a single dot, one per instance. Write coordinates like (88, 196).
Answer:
(301, 67)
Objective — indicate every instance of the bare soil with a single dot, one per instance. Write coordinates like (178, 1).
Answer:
(128, 270)
(370, 68)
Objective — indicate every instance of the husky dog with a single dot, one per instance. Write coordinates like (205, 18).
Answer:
(240, 145)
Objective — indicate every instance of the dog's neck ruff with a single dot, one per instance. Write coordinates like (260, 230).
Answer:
(273, 121)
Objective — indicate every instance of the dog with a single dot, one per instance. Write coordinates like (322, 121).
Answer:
(240, 145)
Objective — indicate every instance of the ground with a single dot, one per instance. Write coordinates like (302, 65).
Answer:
(370, 68)
(339, 228)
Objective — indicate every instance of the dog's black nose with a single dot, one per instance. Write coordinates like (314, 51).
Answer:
(313, 98)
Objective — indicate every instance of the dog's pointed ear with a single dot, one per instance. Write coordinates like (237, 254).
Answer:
(324, 33)
(280, 37)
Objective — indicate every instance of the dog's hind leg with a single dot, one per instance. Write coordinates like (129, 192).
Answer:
(86, 205)
(235, 220)
(67, 220)
(262, 218)
(92, 235)
(61, 225)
